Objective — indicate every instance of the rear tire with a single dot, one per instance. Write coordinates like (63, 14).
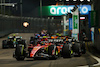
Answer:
(4, 43)
(10, 43)
(77, 49)
(66, 51)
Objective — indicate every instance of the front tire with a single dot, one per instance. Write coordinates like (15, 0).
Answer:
(20, 52)
(50, 51)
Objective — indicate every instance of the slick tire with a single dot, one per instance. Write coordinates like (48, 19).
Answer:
(66, 51)
(10, 43)
(18, 54)
(50, 49)
(77, 49)
(4, 43)
(20, 58)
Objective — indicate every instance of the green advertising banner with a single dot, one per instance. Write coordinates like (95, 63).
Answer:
(55, 10)
(46, 11)
(63, 10)
(75, 21)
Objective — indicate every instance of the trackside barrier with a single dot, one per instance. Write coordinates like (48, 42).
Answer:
(13, 24)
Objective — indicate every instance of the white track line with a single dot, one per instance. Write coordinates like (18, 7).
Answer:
(83, 66)
(96, 58)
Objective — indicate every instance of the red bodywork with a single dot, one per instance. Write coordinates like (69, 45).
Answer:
(35, 48)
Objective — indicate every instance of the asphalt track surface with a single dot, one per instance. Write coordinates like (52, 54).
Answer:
(7, 60)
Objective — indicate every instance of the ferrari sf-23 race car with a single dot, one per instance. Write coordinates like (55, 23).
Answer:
(12, 41)
(45, 48)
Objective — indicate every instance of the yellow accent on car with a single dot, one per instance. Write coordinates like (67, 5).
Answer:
(22, 49)
(56, 52)
(44, 36)
(71, 51)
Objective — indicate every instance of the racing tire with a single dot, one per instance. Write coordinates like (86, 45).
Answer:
(77, 49)
(50, 49)
(18, 53)
(10, 43)
(4, 43)
(66, 51)
(20, 58)
(56, 54)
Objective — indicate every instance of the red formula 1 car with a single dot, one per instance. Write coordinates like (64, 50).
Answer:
(43, 48)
